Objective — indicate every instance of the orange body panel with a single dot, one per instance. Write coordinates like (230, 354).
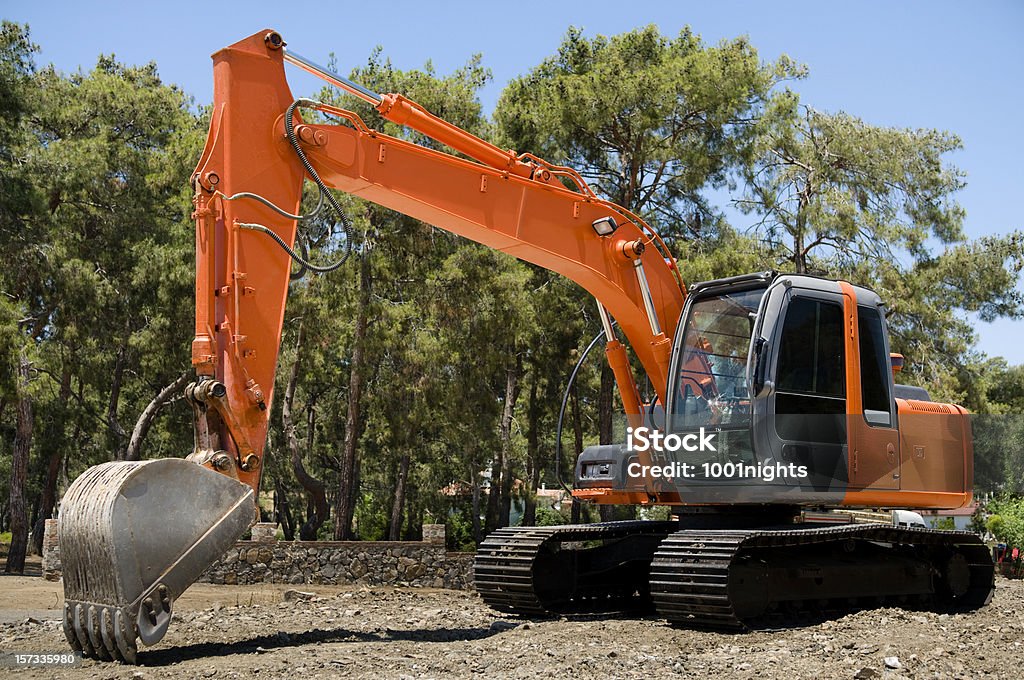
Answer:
(873, 451)
(926, 463)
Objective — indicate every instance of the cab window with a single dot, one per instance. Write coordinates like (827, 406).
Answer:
(874, 368)
(812, 359)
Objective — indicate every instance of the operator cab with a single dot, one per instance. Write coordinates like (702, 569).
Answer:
(785, 371)
(768, 361)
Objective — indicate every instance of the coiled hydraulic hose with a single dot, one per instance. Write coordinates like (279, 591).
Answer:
(304, 264)
(346, 227)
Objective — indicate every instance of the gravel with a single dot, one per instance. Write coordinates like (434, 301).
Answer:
(422, 633)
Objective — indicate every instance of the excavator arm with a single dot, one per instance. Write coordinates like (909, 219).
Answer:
(135, 535)
(517, 204)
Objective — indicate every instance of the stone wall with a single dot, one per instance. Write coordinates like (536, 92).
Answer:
(374, 563)
(266, 560)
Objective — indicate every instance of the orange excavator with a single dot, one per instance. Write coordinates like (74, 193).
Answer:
(775, 396)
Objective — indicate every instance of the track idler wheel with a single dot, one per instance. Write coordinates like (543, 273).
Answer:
(133, 537)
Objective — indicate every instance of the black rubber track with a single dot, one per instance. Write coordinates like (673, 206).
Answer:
(510, 576)
(690, 573)
(690, 570)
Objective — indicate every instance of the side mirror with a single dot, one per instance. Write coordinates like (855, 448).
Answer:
(760, 366)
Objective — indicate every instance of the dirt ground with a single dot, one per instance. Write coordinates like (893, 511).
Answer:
(252, 632)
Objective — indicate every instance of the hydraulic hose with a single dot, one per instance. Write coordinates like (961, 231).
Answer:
(303, 262)
(561, 411)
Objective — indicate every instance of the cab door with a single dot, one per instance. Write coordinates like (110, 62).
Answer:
(807, 403)
(874, 461)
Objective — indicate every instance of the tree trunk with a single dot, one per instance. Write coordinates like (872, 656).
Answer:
(282, 511)
(498, 496)
(474, 478)
(532, 455)
(347, 482)
(117, 433)
(575, 512)
(799, 256)
(48, 498)
(148, 415)
(395, 529)
(494, 492)
(19, 471)
(314, 487)
(577, 431)
(413, 517)
(507, 415)
(353, 500)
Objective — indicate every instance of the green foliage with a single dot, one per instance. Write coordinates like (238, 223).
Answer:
(17, 194)
(944, 524)
(834, 192)
(10, 342)
(996, 526)
(17, 67)
(656, 513)
(549, 517)
(838, 197)
(1007, 520)
(999, 452)
(326, 531)
(103, 288)
(649, 121)
(17, 63)
(372, 522)
(998, 428)
(977, 523)
(94, 209)
(459, 531)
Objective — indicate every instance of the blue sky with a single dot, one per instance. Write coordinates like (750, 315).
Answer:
(949, 65)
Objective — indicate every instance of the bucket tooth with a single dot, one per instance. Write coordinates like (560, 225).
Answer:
(133, 537)
(69, 628)
(80, 630)
(92, 628)
(125, 638)
(107, 631)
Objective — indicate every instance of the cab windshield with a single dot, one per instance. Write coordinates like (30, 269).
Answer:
(711, 380)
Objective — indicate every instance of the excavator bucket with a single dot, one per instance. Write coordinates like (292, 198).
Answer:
(133, 537)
